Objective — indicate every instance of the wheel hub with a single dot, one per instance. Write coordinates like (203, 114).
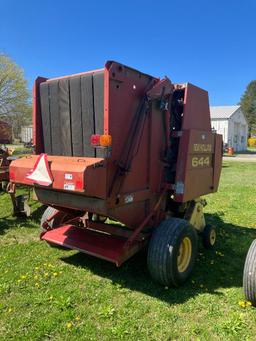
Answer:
(184, 256)
(212, 237)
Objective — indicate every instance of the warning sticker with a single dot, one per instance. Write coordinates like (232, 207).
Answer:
(69, 187)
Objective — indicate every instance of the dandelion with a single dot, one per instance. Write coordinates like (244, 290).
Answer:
(50, 298)
(46, 274)
(19, 280)
(55, 274)
(68, 325)
(36, 268)
(23, 277)
(77, 318)
(9, 310)
(37, 284)
(245, 304)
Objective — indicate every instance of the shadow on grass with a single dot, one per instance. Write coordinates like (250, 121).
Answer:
(9, 221)
(221, 267)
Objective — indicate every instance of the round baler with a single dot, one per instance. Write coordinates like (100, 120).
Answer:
(122, 159)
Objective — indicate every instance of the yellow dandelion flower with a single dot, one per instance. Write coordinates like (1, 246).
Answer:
(36, 268)
(68, 325)
(46, 274)
(23, 277)
(19, 280)
(77, 318)
(37, 284)
(55, 274)
(50, 298)
(242, 304)
(9, 310)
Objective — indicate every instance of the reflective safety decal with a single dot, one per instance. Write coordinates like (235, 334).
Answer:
(41, 174)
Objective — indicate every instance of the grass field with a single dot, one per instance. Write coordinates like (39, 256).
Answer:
(47, 293)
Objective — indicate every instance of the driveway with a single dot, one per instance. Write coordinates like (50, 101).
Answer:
(250, 157)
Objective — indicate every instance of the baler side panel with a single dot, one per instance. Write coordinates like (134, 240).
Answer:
(195, 165)
(126, 91)
(196, 109)
(37, 117)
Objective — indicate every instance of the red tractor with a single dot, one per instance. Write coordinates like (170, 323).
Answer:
(121, 160)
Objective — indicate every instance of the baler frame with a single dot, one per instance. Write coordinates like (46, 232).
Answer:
(160, 162)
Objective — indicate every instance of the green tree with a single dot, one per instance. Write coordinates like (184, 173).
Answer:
(15, 105)
(248, 105)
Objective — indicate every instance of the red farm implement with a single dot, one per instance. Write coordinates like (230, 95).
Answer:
(121, 159)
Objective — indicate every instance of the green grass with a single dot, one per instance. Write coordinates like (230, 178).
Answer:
(47, 293)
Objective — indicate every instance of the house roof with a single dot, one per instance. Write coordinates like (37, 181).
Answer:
(223, 112)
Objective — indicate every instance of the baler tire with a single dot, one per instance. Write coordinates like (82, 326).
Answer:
(54, 223)
(49, 211)
(249, 276)
(209, 237)
(165, 248)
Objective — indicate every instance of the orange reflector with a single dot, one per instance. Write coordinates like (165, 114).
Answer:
(105, 140)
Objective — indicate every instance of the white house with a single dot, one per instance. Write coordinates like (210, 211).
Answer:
(230, 122)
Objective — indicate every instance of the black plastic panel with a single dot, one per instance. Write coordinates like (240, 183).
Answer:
(72, 110)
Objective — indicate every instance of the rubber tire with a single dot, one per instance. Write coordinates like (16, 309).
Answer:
(54, 223)
(164, 248)
(206, 237)
(47, 213)
(249, 277)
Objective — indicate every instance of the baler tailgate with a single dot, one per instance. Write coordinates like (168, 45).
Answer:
(100, 245)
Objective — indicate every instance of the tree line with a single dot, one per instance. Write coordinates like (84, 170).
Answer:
(15, 99)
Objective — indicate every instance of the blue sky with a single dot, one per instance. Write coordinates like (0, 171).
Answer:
(211, 44)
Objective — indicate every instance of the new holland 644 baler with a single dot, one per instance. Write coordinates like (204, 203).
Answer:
(121, 159)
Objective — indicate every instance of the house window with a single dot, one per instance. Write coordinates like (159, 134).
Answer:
(242, 139)
(235, 138)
